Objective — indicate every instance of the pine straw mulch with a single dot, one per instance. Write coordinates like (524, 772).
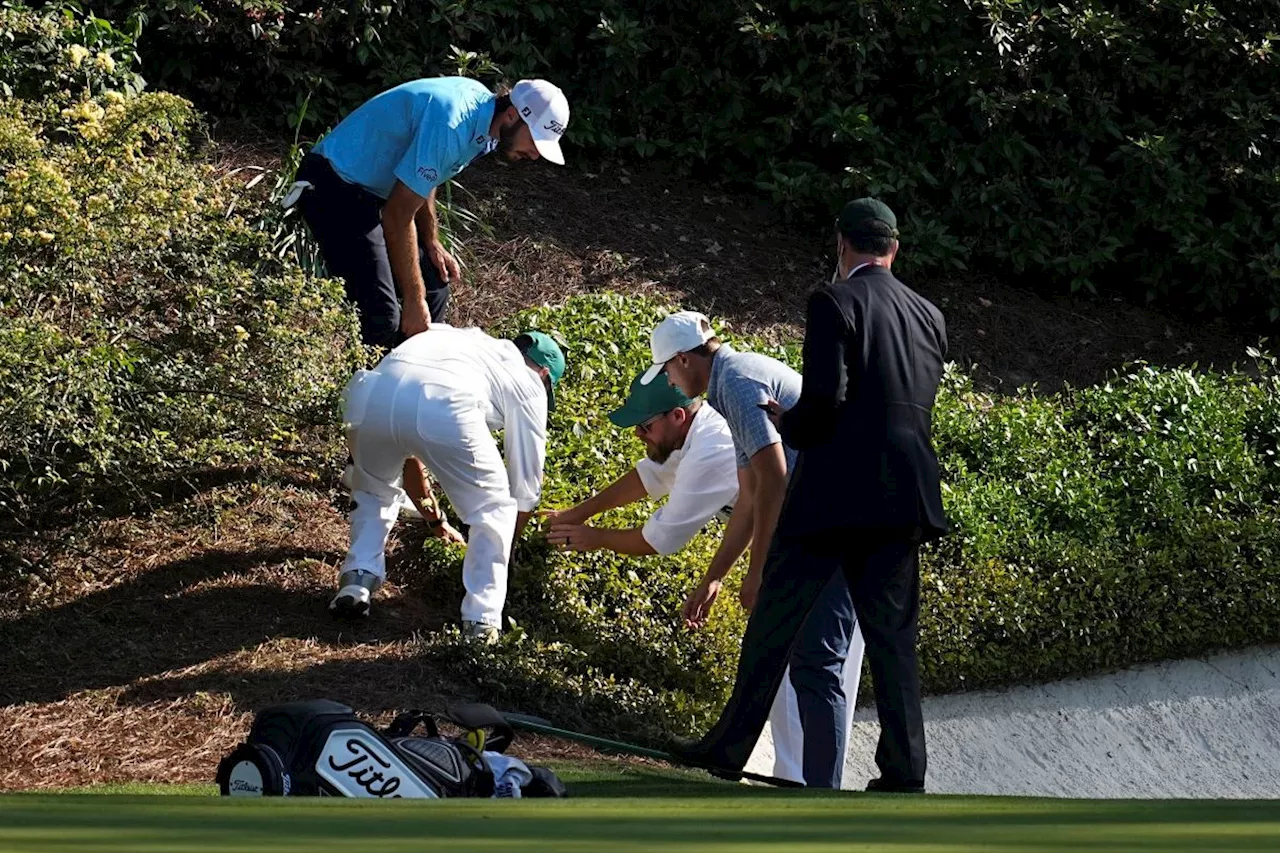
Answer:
(147, 664)
(596, 226)
(559, 232)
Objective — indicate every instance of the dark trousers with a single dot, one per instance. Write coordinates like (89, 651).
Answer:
(883, 575)
(817, 675)
(346, 221)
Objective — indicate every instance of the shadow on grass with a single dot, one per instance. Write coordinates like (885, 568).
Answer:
(605, 781)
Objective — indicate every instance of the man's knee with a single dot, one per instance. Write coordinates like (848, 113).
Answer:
(818, 675)
(817, 663)
(438, 304)
(380, 328)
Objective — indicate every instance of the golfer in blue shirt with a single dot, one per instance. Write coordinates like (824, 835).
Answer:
(367, 190)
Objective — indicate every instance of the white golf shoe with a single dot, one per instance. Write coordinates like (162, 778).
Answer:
(355, 591)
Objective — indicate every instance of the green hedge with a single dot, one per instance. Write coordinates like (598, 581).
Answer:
(1123, 147)
(151, 325)
(1102, 527)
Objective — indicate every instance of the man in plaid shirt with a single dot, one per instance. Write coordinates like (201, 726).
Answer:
(738, 385)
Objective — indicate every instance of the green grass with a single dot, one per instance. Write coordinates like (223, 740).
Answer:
(630, 810)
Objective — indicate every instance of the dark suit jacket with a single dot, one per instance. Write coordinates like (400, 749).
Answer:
(873, 352)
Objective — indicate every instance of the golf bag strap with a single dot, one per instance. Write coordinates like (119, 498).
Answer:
(474, 715)
(404, 724)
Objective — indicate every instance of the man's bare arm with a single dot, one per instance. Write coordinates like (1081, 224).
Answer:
(429, 235)
(401, 233)
(769, 470)
(625, 490)
(737, 535)
(522, 519)
(584, 537)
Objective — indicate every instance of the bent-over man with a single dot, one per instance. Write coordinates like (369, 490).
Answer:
(737, 385)
(691, 461)
(437, 398)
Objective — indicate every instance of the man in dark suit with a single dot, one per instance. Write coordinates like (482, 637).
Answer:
(864, 496)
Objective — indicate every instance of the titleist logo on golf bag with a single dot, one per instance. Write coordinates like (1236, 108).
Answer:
(360, 766)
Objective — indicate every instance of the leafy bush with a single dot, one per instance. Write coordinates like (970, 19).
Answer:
(1118, 147)
(1128, 522)
(598, 642)
(65, 49)
(146, 327)
(1102, 527)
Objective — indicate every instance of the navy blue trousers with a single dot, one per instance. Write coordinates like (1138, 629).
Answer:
(817, 674)
(883, 576)
(346, 221)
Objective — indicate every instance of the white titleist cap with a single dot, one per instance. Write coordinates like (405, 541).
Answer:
(677, 333)
(546, 110)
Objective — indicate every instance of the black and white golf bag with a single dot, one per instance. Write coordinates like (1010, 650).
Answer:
(321, 748)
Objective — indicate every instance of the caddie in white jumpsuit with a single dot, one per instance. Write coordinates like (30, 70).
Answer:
(437, 397)
(691, 461)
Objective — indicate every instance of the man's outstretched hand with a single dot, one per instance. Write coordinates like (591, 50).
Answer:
(573, 537)
(572, 515)
(446, 531)
(697, 606)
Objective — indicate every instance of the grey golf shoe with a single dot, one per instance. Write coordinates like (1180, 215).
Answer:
(487, 634)
(355, 591)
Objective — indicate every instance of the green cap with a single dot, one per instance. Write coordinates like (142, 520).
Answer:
(867, 216)
(545, 352)
(645, 401)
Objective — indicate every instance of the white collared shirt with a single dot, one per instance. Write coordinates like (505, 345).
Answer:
(700, 480)
(492, 373)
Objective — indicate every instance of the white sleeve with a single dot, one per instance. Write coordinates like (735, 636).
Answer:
(657, 478)
(704, 484)
(525, 441)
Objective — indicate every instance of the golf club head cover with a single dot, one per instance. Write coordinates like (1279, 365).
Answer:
(253, 770)
(545, 784)
(474, 715)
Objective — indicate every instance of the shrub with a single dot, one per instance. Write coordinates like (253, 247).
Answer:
(1128, 522)
(1114, 147)
(146, 327)
(65, 49)
(599, 643)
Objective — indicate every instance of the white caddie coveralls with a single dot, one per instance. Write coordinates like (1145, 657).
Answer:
(700, 481)
(438, 396)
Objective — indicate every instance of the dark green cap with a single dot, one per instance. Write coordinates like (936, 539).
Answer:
(867, 216)
(645, 401)
(545, 352)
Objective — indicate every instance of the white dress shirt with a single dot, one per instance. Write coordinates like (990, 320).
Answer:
(700, 480)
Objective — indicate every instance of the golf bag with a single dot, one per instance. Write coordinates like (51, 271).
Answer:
(321, 748)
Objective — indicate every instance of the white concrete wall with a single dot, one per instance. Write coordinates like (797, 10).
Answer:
(1193, 728)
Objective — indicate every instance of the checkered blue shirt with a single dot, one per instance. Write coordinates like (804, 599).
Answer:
(740, 381)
